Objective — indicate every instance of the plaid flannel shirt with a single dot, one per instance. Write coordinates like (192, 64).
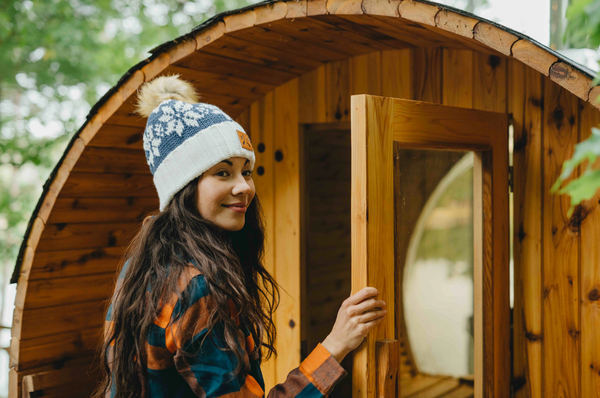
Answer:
(204, 374)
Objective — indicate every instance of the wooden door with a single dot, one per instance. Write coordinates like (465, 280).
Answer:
(379, 125)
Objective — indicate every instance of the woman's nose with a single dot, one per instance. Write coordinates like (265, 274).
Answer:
(241, 186)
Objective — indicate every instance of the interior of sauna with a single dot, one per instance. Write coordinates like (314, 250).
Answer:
(433, 192)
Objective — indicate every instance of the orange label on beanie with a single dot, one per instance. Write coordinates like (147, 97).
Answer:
(245, 140)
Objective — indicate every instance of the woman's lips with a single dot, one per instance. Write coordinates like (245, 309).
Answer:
(237, 209)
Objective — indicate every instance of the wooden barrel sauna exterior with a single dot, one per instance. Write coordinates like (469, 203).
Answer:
(285, 68)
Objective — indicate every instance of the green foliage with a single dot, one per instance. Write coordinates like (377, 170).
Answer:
(584, 187)
(583, 29)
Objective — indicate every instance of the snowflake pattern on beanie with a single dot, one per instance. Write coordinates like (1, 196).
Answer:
(173, 122)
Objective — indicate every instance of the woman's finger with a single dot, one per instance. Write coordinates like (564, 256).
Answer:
(369, 304)
(362, 295)
(369, 316)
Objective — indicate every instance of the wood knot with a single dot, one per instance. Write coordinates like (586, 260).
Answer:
(594, 295)
(61, 226)
(338, 114)
(560, 71)
(532, 337)
(132, 139)
(574, 333)
(292, 323)
(494, 61)
(558, 115)
(112, 240)
(536, 102)
(521, 234)
(580, 213)
(521, 143)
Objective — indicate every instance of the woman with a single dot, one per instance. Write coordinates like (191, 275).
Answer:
(193, 304)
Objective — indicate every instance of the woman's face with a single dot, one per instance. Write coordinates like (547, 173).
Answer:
(225, 184)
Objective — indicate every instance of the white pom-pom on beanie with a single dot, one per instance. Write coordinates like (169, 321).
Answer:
(183, 137)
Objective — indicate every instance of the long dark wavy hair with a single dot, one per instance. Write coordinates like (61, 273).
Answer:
(231, 262)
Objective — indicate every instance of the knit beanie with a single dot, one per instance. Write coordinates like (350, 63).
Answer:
(184, 137)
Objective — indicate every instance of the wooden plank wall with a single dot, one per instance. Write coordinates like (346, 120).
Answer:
(278, 187)
(556, 260)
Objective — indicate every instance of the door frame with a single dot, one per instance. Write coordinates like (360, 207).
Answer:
(376, 124)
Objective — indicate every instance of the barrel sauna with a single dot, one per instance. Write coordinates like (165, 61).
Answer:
(286, 71)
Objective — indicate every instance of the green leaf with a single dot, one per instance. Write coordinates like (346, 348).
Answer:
(583, 188)
(588, 149)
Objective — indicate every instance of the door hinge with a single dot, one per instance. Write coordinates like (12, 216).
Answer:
(511, 179)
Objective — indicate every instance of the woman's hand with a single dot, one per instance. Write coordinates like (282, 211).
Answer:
(358, 314)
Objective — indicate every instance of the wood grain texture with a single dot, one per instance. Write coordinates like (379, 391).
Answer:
(114, 136)
(327, 231)
(287, 225)
(427, 75)
(70, 263)
(344, 6)
(489, 82)
(396, 73)
(285, 44)
(202, 61)
(383, 8)
(237, 48)
(95, 185)
(43, 293)
(312, 97)
(561, 323)
(387, 367)
(46, 350)
(418, 12)
(112, 160)
(455, 23)
(525, 93)
(58, 319)
(337, 96)
(595, 97)
(224, 86)
(372, 229)
(590, 272)
(271, 12)
(571, 79)
(457, 127)
(533, 56)
(262, 136)
(80, 381)
(496, 38)
(364, 78)
(58, 237)
(458, 78)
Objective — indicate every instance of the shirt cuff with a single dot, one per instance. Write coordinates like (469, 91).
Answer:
(322, 370)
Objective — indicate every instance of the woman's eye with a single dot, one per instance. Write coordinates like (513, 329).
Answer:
(249, 172)
(220, 173)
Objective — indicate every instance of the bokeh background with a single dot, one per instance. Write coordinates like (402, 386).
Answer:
(59, 57)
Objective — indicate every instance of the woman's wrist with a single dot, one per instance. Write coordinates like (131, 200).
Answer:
(334, 349)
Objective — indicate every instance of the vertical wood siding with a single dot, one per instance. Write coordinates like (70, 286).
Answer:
(556, 277)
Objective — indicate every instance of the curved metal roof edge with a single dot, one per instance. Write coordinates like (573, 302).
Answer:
(156, 51)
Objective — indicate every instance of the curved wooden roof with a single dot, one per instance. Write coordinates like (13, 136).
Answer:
(234, 59)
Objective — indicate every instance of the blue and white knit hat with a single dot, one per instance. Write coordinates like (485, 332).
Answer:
(183, 137)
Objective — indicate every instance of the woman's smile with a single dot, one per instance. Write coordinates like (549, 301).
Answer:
(238, 208)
